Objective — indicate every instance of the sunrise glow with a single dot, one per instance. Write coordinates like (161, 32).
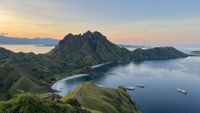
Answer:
(127, 22)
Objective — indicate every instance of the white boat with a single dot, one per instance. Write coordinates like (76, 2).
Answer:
(140, 85)
(130, 88)
(182, 90)
(178, 89)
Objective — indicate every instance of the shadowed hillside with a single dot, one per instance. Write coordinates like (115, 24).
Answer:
(88, 49)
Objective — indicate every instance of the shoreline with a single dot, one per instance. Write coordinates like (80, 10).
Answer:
(56, 86)
(99, 65)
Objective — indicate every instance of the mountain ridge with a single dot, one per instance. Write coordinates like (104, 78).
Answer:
(99, 49)
(14, 40)
(88, 47)
(73, 55)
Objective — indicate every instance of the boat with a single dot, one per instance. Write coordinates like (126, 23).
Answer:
(140, 85)
(130, 88)
(178, 89)
(183, 91)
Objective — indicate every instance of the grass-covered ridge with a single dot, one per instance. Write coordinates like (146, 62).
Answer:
(102, 100)
(87, 98)
(30, 103)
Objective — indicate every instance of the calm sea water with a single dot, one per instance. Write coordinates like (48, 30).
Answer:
(28, 48)
(161, 79)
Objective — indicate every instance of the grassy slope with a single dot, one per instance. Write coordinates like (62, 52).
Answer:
(14, 80)
(29, 103)
(27, 72)
(102, 100)
(91, 98)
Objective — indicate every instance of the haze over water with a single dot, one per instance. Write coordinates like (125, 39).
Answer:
(28, 48)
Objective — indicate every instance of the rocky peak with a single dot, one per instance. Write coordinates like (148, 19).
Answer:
(88, 48)
(87, 35)
(75, 42)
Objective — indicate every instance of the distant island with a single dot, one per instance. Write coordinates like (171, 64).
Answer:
(36, 41)
(195, 52)
(131, 46)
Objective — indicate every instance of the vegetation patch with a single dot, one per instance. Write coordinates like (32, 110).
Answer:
(102, 100)
(29, 103)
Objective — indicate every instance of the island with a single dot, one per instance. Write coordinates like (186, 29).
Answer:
(195, 52)
(75, 54)
(24, 41)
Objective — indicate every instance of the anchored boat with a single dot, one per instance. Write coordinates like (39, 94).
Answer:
(130, 88)
(183, 91)
(140, 85)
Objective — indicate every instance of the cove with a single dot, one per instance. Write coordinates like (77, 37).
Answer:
(160, 77)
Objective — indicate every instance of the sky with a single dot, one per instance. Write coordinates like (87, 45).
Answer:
(122, 21)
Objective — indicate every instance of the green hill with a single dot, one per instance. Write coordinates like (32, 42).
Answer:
(22, 72)
(102, 100)
(157, 53)
(93, 48)
(28, 72)
(88, 49)
(29, 103)
(87, 98)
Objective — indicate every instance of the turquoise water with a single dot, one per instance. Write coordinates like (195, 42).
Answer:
(161, 79)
